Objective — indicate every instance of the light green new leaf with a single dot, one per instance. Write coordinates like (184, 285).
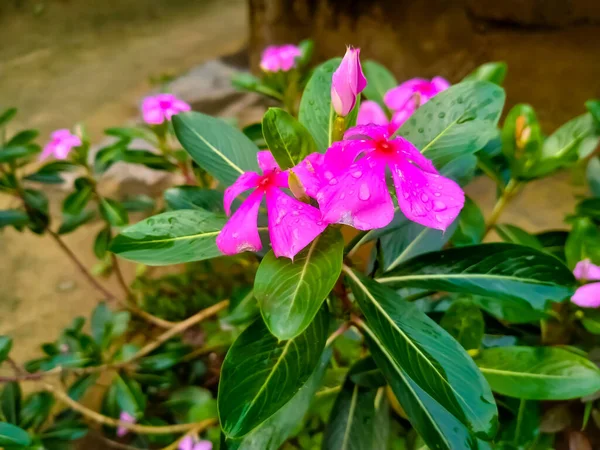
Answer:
(501, 270)
(494, 72)
(261, 374)
(289, 141)
(220, 149)
(290, 293)
(420, 353)
(539, 373)
(114, 212)
(170, 238)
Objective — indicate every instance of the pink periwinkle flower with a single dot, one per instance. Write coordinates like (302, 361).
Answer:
(347, 82)
(354, 191)
(161, 107)
(125, 417)
(406, 98)
(279, 58)
(371, 113)
(292, 224)
(60, 145)
(588, 295)
(188, 443)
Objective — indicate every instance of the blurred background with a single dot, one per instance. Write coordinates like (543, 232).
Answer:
(68, 61)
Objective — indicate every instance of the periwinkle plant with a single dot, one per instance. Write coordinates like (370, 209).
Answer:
(359, 309)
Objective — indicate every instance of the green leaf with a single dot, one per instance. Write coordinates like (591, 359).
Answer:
(420, 353)
(351, 423)
(22, 138)
(315, 106)
(494, 72)
(36, 410)
(514, 311)
(139, 203)
(464, 322)
(501, 270)
(7, 115)
(130, 133)
(78, 389)
(102, 242)
(457, 122)
(220, 149)
(107, 325)
(170, 238)
(71, 223)
(12, 436)
(365, 373)
(593, 176)
(129, 395)
(148, 159)
(13, 217)
(575, 139)
(10, 154)
(589, 207)
(50, 172)
(113, 212)
(276, 429)
(591, 320)
(76, 201)
(260, 374)
(516, 235)
(193, 197)
(553, 242)
(379, 81)
(538, 373)
(10, 402)
(6, 343)
(289, 141)
(291, 293)
(471, 225)
(583, 242)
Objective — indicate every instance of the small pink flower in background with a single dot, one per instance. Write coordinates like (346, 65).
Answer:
(188, 443)
(125, 417)
(347, 82)
(292, 224)
(371, 113)
(588, 295)
(161, 107)
(276, 58)
(354, 191)
(406, 98)
(60, 145)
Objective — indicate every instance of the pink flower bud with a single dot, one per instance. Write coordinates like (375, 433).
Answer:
(348, 81)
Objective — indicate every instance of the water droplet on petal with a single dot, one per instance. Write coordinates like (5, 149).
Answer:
(235, 235)
(437, 194)
(414, 193)
(342, 196)
(406, 194)
(438, 218)
(328, 175)
(333, 181)
(440, 186)
(364, 193)
(424, 197)
(439, 206)
(357, 174)
(295, 213)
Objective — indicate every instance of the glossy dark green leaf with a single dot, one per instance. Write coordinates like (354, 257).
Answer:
(22, 138)
(10, 402)
(591, 320)
(113, 212)
(583, 242)
(71, 223)
(512, 311)
(289, 141)
(589, 207)
(50, 173)
(365, 373)
(36, 200)
(516, 235)
(501, 270)
(554, 242)
(471, 225)
(538, 373)
(255, 134)
(10, 154)
(6, 343)
(193, 197)
(220, 149)
(379, 81)
(276, 429)
(422, 354)
(456, 122)
(494, 72)
(315, 106)
(593, 176)
(13, 217)
(36, 410)
(290, 293)
(523, 429)
(464, 322)
(12, 436)
(7, 115)
(261, 374)
(102, 242)
(170, 238)
(243, 308)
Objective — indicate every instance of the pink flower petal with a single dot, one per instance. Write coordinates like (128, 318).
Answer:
(396, 98)
(153, 116)
(407, 150)
(48, 151)
(203, 445)
(292, 224)
(266, 161)
(586, 270)
(187, 443)
(245, 181)
(347, 82)
(341, 155)
(372, 131)
(240, 233)
(124, 417)
(309, 173)
(587, 296)
(440, 84)
(359, 197)
(403, 115)
(425, 198)
(370, 112)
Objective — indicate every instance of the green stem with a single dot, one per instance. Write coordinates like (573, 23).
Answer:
(520, 415)
(511, 190)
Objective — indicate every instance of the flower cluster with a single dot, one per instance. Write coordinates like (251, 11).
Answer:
(159, 108)
(280, 58)
(348, 182)
(588, 295)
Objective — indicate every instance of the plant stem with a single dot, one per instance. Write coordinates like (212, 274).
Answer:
(120, 278)
(191, 432)
(111, 422)
(519, 420)
(512, 188)
(337, 333)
